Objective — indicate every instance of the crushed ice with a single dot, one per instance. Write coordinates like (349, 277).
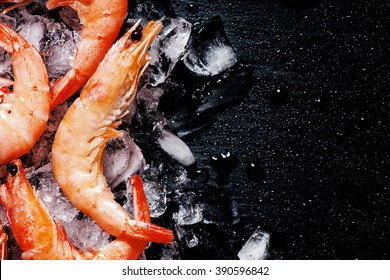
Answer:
(167, 48)
(205, 52)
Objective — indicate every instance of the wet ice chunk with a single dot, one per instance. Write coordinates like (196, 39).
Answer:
(167, 48)
(33, 30)
(176, 148)
(60, 47)
(122, 158)
(193, 242)
(232, 87)
(189, 212)
(170, 252)
(256, 246)
(210, 52)
(86, 235)
(156, 195)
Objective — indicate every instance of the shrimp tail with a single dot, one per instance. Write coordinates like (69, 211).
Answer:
(141, 211)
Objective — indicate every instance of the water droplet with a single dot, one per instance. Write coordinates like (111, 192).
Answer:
(279, 96)
(255, 172)
(193, 8)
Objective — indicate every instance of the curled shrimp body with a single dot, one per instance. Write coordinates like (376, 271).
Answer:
(39, 237)
(87, 126)
(24, 111)
(102, 21)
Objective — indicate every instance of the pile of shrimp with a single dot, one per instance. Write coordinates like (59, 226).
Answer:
(108, 72)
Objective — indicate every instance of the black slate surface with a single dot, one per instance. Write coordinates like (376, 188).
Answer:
(317, 121)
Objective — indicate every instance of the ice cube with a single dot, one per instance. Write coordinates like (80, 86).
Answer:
(85, 234)
(122, 158)
(33, 29)
(232, 87)
(189, 212)
(167, 48)
(256, 247)
(210, 52)
(176, 148)
(60, 47)
(5, 64)
(156, 196)
(193, 242)
(170, 252)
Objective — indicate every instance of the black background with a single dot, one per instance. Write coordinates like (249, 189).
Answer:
(324, 142)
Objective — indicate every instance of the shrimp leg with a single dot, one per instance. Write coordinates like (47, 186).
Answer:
(24, 111)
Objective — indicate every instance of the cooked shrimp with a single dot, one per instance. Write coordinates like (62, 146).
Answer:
(25, 110)
(40, 238)
(102, 21)
(3, 243)
(90, 122)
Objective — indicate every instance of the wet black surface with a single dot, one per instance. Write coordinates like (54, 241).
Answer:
(299, 146)
(316, 122)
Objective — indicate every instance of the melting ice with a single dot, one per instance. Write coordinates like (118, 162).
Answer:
(256, 247)
(122, 158)
(167, 48)
(210, 52)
